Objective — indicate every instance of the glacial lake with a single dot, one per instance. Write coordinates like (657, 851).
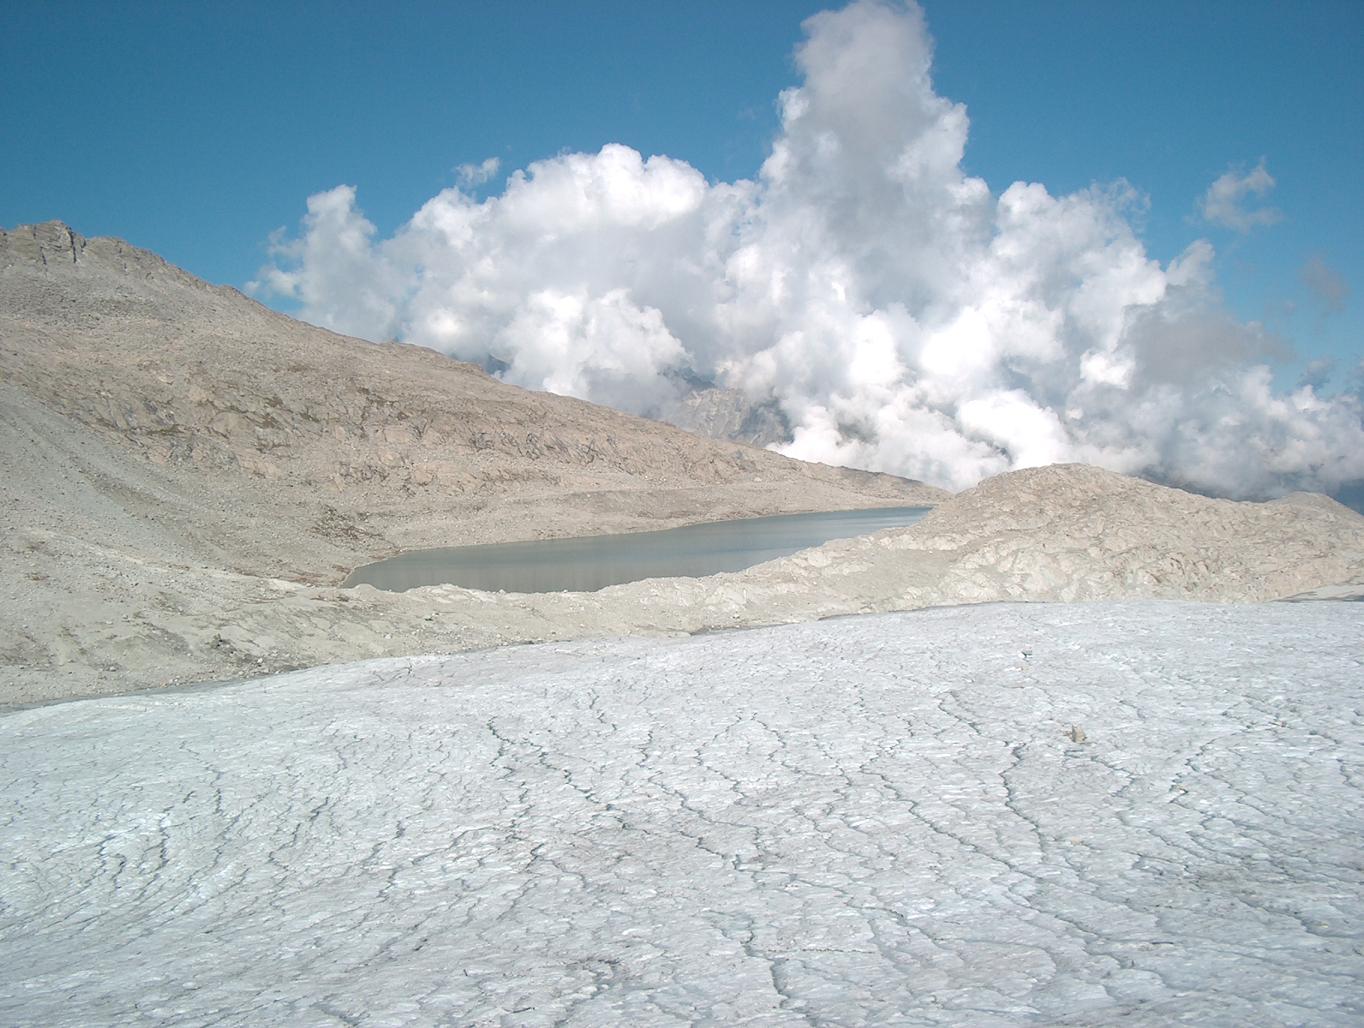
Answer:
(588, 563)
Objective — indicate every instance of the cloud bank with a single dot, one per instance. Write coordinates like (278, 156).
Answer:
(900, 315)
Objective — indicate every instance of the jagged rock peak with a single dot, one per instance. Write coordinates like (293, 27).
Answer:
(55, 247)
(43, 244)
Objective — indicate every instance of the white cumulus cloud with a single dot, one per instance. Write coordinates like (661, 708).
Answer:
(1225, 202)
(899, 314)
(473, 175)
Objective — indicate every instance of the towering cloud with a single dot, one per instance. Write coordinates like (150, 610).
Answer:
(900, 315)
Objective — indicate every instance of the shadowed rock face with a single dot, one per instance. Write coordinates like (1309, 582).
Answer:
(720, 413)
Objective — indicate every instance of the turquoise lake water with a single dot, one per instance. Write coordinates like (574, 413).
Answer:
(588, 563)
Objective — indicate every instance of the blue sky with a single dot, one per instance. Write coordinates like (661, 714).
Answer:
(197, 129)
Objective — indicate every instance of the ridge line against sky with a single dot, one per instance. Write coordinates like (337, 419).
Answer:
(1225, 140)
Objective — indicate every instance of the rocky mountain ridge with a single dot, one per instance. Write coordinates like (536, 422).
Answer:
(388, 442)
(186, 476)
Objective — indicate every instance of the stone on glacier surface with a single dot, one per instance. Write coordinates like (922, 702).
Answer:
(874, 819)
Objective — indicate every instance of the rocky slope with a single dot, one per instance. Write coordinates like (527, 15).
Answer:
(374, 448)
(185, 476)
(165, 442)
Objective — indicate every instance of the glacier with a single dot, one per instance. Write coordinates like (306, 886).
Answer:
(999, 814)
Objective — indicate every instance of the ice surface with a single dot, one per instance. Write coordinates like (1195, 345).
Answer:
(866, 820)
